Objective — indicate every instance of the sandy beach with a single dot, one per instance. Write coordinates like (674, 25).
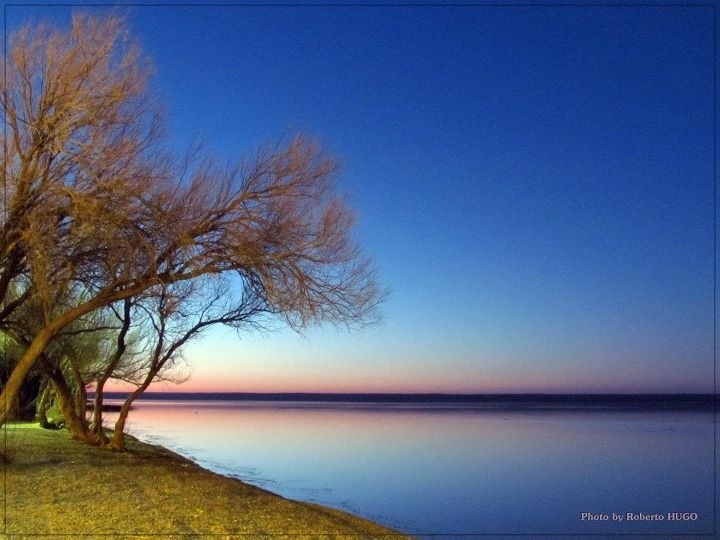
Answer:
(57, 486)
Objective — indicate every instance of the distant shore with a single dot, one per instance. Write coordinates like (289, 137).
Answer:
(57, 486)
(517, 401)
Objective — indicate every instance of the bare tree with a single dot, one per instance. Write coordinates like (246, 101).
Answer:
(92, 202)
(173, 316)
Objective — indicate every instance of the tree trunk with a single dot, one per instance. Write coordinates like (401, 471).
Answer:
(97, 420)
(43, 405)
(102, 379)
(79, 393)
(117, 442)
(19, 373)
(74, 420)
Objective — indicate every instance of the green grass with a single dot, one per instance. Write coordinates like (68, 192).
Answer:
(57, 486)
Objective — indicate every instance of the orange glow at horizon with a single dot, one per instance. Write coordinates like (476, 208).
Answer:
(435, 383)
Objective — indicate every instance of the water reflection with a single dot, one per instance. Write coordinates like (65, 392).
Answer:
(458, 470)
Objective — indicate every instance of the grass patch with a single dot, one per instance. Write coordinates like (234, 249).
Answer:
(55, 485)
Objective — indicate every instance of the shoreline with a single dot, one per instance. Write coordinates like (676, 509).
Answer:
(58, 486)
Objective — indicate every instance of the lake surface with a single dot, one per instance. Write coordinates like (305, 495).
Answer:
(457, 468)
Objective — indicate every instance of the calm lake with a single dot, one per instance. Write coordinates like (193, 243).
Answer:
(454, 468)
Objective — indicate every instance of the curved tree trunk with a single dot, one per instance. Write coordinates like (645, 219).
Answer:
(117, 442)
(74, 420)
(19, 373)
(107, 373)
(78, 392)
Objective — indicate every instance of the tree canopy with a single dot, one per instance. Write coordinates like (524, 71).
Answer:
(102, 221)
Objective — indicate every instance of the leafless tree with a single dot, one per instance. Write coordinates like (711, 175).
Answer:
(93, 203)
(173, 316)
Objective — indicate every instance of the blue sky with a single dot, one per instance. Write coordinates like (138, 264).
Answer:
(535, 184)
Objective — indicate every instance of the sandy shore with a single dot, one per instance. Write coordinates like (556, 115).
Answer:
(57, 486)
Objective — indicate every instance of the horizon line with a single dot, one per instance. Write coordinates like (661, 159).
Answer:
(418, 394)
(415, 396)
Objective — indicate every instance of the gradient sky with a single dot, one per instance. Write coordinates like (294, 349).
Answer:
(535, 185)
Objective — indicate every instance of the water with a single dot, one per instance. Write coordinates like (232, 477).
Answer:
(459, 469)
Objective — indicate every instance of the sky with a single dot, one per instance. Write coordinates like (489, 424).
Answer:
(534, 183)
